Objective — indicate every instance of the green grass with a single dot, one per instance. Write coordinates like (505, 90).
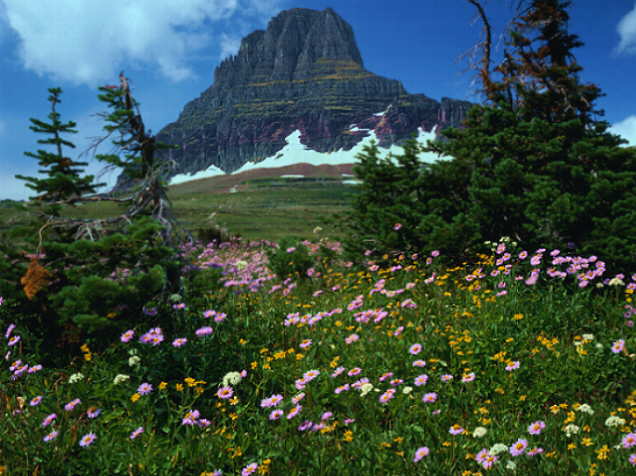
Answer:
(549, 352)
(267, 208)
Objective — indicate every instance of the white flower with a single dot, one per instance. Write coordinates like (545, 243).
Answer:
(614, 421)
(511, 465)
(479, 432)
(571, 429)
(585, 408)
(365, 388)
(598, 345)
(231, 378)
(588, 336)
(406, 390)
(134, 360)
(498, 448)
(76, 377)
(119, 378)
(616, 282)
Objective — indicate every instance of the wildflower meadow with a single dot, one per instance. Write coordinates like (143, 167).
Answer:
(520, 362)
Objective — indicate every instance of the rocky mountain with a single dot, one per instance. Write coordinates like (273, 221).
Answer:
(303, 73)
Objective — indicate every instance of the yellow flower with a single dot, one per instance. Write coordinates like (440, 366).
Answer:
(179, 387)
(134, 397)
(447, 443)
(571, 446)
(242, 341)
(517, 317)
(233, 416)
(253, 365)
(163, 385)
(587, 442)
(384, 444)
(299, 356)
(602, 452)
(348, 435)
(190, 381)
(199, 390)
(280, 355)
(88, 357)
(234, 400)
(85, 348)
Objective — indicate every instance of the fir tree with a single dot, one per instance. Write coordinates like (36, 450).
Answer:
(532, 163)
(64, 181)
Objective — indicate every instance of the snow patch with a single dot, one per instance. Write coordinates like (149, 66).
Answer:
(294, 152)
(292, 176)
(211, 171)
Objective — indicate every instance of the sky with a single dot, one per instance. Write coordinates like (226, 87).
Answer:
(169, 50)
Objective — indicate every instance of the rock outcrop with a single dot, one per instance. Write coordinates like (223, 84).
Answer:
(304, 72)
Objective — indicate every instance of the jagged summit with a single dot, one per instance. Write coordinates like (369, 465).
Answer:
(302, 75)
(288, 50)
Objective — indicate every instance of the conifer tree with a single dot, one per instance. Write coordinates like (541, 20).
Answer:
(533, 162)
(64, 182)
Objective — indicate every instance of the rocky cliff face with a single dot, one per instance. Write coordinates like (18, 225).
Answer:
(304, 73)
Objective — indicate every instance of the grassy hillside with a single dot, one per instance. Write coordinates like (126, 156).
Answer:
(257, 205)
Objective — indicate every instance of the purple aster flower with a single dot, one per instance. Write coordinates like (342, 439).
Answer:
(420, 453)
(51, 436)
(48, 420)
(144, 389)
(87, 440)
(137, 432)
(72, 404)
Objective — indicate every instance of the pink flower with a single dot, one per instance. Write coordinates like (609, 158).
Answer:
(618, 346)
(468, 377)
(518, 447)
(276, 414)
(397, 226)
(87, 440)
(179, 341)
(455, 429)
(144, 389)
(421, 380)
(72, 404)
(536, 427)
(429, 397)
(415, 349)
(512, 366)
(137, 432)
(126, 336)
(225, 392)
(420, 453)
(48, 420)
(204, 331)
(629, 440)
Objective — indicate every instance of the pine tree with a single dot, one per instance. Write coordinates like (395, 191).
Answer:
(533, 162)
(542, 168)
(64, 181)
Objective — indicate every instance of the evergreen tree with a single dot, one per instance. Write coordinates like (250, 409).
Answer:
(532, 163)
(63, 181)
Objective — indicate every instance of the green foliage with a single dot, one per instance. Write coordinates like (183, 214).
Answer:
(290, 260)
(63, 181)
(533, 165)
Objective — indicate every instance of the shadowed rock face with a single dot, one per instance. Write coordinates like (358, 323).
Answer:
(304, 72)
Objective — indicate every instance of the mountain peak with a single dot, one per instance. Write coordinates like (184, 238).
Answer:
(294, 41)
(297, 87)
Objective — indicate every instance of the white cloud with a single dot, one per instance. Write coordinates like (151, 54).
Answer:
(86, 42)
(627, 31)
(229, 45)
(627, 129)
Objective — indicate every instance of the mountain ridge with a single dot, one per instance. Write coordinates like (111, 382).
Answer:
(304, 73)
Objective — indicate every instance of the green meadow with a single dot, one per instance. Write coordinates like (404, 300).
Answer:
(520, 362)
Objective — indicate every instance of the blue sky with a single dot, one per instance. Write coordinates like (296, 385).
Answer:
(169, 50)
